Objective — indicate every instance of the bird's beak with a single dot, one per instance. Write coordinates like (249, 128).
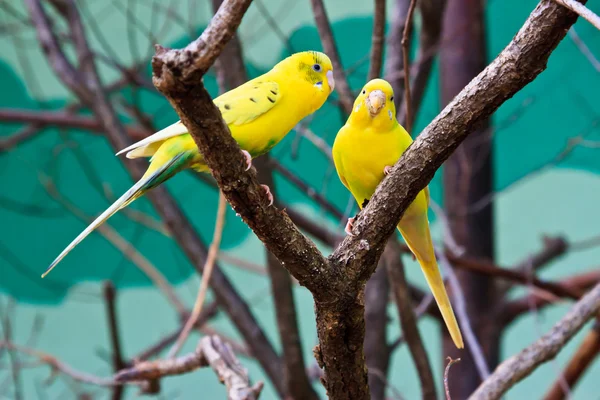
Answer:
(375, 102)
(330, 81)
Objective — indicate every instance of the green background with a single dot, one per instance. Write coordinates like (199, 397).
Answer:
(541, 189)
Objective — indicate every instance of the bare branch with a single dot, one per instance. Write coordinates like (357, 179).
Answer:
(91, 92)
(431, 12)
(582, 10)
(190, 64)
(408, 320)
(377, 40)
(44, 119)
(211, 351)
(115, 341)
(59, 366)
(337, 283)
(394, 60)
(539, 299)
(447, 375)
(581, 360)
(329, 46)
(377, 351)
(207, 272)
(405, 57)
(546, 348)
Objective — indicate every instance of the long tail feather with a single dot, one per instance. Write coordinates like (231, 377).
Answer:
(417, 237)
(436, 284)
(137, 190)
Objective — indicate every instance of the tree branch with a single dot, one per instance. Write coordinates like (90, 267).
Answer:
(405, 56)
(211, 351)
(377, 351)
(377, 40)
(337, 283)
(90, 92)
(330, 48)
(117, 356)
(408, 320)
(581, 360)
(546, 348)
(582, 10)
(59, 119)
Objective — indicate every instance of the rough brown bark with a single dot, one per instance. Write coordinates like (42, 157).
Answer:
(337, 283)
(468, 177)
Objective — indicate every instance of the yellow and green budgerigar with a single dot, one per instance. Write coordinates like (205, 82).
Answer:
(259, 114)
(364, 151)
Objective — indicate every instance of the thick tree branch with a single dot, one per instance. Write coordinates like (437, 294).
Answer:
(546, 348)
(519, 63)
(337, 283)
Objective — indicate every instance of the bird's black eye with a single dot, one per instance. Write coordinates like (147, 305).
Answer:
(364, 91)
(316, 67)
(392, 98)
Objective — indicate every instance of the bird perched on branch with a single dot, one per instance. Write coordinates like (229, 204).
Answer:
(258, 113)
(364, 151)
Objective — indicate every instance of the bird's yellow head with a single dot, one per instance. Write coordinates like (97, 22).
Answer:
(375, 104)
(312, 74)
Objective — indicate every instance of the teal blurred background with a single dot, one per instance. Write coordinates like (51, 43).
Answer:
(546, 184)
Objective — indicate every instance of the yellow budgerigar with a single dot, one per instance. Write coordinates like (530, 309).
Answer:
(259, 114)
(364, 151)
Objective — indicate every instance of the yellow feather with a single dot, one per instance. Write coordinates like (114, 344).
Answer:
(371, 140)
(259, 114)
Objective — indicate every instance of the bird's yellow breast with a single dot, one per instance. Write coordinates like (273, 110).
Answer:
(361, 155)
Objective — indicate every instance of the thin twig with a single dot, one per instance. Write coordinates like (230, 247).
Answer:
(544, 349)
(446, 375)
(115, 341)
(581, 10)
(208, 267)
(59, 366)
(405, 56)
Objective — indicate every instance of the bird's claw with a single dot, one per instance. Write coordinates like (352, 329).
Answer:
(387, 169)
(248, 159)
(349, 225)
(269, 195)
